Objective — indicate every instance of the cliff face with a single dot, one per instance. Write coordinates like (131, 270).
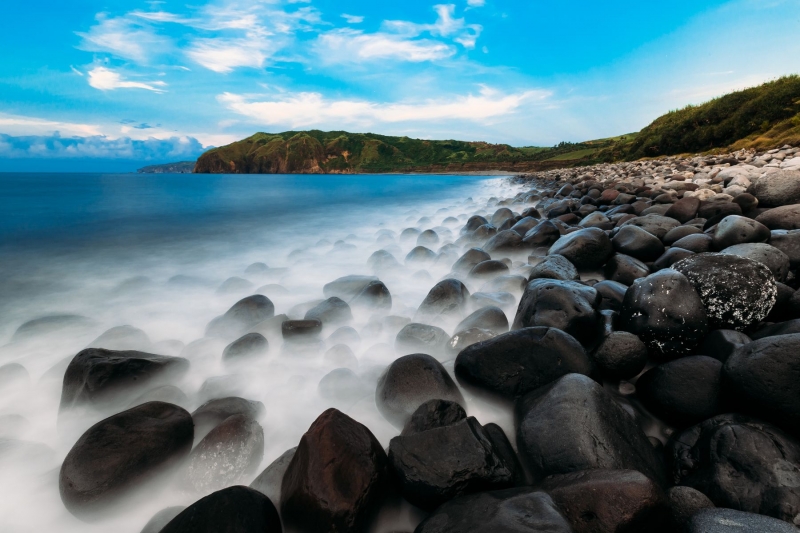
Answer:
(338, 152)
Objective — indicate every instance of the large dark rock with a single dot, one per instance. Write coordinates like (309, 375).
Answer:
(786, 217)
(763, 378)
(586, 248)
(653, 224)
(736, 291)
(522, 510)
(214, 412)
(670, 257)
(684, 209)
(721, 343)
(443, 463)
(347, 287)
(161, 519)
(123, 338)
(611, 294)
(411, 381)
(574, 424)
(769, 256)
(471, 257)
(682, 392)
(665, 312)
(446, 299)
(637, 242)
(332, 312)
(421, 338)
(245, 347)
(243, 315)
(777, 189)
(504, 241)
(434, 414)
(607, 500)
(740, 463)
(269, 480)
(490, 317)
(503, 448)
(621, 355)
(520, 361)
(336, 478)
(566, 305)
(228, 455)
(732, 521)
(488, 269)
(684, 503)
(232, 510)
(544, 234)
(697, 243)
(554, 267)
(106, 378)
(787, 242)
(625, 269)
(420, 255)
(121, 452)
(734, 229)
(374, 295)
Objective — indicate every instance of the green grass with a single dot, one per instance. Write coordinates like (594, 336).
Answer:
(577, 154)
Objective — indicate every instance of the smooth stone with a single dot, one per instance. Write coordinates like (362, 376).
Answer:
(421, 338)
(732, 521)
(787, 242)
(347, 287)
(586, 248)
(670, 257)
(301, 330)
(446, 299)
(420, 254)
(488, 269)
(242, 316)
(734, 229)
(504, 241)
(721, 343)
(697, 243)
(162, 518)
(555, 267)
(268, 482)
(654, 224)
(122, 338)
(637, 242)
(332, 312)
(777, 189)
(213, 412)
(684, 503)
(235, 284)
(566, 305)
(490, 317)
(511, 283)
(683, 210)
(611, 294)
(769, 256)
(785, 217)
(374, 296)
(469, 259)
(245, 347)
(676, 234)
(543, 234)
(621, 356)
(625, 269)
(231, 510)
(434, 414)
(468, 337)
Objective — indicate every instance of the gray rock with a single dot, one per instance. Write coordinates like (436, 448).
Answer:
(777, 189)
(732, 521)
(269, 480)
(554, 267)
(769, 256)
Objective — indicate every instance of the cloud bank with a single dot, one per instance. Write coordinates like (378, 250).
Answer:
(98, 147)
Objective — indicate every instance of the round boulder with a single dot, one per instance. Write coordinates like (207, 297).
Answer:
(231, 510)
(586, 248)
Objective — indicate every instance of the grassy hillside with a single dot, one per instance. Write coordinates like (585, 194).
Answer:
(761, 117)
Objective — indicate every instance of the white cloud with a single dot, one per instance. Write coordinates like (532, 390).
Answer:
(22, 125)
(347, 45)
(98, 147)
(224, 55)
(352, 19)
(108, 80)
(125, 38)
(476, 3)
(307, 109)
(446, 25)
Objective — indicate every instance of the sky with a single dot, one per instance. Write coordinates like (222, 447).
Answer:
(90, 84)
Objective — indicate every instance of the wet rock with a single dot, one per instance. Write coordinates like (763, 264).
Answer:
(301, 330)
(734, 229)
(684, 503)
(332, 312)
(474, 222)
(769, 256)
(621, 356)
(682, 392)
(653, 224)
(520, 361)
(781, 328)
(347, 287)
(670, 257)
(762, 378)
(490, 317)
(229, 454)
(500, 216)
(721, 343)
(740, 463)
(611, 294)
(447, 299)
(381, 261)
(666, 313)
(420, 255)
(730, 521)
(525, 225)
(434, 414)
(243, 315)
(122, 338)
(786, 217)
(335, 479)
(777, 189)
(503, 241)
(235, 284)
(488, 269)
(787, 242)
(586, 248)
(107, 378)
(574, 424)
(427, 238)
(607, 500)
(625, 269)
(565, 305)
(467, 337)
(676, 234)
(471, 257)
(162, 518)
(504, 450)
(231, 510)
(715, 211)
(443, 463)
(521, 510)
(118, 454)
(409, 382)
(504, 300)
(245, 347)
(53, 325)
(269, 480)
(697, 243)
(374, 296)
(637, 242)
(414, 338)
(554, 267)
(213, 412)
(736, 291)
(683, 210)
(543, 234)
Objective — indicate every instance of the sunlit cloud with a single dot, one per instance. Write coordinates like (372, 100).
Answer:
(125, 38)
(347, 45)
(106, 79)
(309, 108)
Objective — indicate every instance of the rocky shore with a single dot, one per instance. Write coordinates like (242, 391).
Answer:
(637, 325)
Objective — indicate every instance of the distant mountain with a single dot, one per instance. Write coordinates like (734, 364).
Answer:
(183, 167)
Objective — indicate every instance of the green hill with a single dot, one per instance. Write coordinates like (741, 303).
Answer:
(762, 117)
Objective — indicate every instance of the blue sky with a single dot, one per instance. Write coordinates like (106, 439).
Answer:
(159, 80)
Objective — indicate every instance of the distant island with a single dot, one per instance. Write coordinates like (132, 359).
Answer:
(182, 167)
(761, 117)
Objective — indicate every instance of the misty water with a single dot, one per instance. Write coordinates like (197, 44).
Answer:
(165, 254)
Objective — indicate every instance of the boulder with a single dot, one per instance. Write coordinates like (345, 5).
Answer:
(767, 255)
(268, 482)
(736, 291)
(420, 255)
(375, 295)
(611, 294)
(732, 521)
(654, 224)
(409, 382)
(625, 269)
(566, 305)
(573, 424)
(301, 330)
(447, 299)
(471, 257)
(332, 312)
(697, 243)
(734, 229)
(777, 189)
(682, 392)
(488, 269)
(787, 242)
(684, 209)
(105, 378)
(245, 347)
(621, 355)
(786, 217)
(414, 338)
(721, 343)
(637, 242)
(231, 510)
(120, 453)
(554, 267)
(607, 500)
(440, 464)
(520, 361)
(762, 378)
(684, 503)
(434, 414)
(586, 248)
(242, 316)
(504, 241)
(670, 257)
(214, 412)
(740, 463)
(336, 479)
(490, 317)
(467, 337)
(666, 313)
(543, 234)
(229, 454)
(161, 519)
